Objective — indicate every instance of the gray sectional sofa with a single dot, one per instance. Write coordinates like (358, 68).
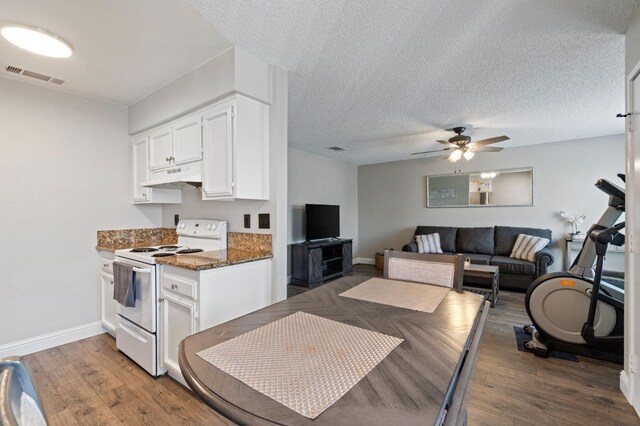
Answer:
(492, 246)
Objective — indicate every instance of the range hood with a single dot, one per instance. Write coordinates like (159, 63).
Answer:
(176, 177)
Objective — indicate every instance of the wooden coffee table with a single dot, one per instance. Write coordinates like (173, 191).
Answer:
(491, 273)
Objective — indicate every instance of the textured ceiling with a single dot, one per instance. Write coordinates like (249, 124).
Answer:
(124, 49)
(367, 75)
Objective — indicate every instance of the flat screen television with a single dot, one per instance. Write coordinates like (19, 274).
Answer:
(323, 221)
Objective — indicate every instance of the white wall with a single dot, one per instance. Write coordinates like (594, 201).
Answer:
(314, 179)
(629, 377)
(65, 172)
(234, 70)
(632, 43)
(392, 196)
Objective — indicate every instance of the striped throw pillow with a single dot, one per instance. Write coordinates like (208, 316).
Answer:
(429, 243)
(527, 246)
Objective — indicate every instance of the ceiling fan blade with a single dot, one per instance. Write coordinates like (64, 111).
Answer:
(429, 152)
(486, 149)
(491, 140)
(448, 143)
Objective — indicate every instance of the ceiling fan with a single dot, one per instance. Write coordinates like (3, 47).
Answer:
(463, 147)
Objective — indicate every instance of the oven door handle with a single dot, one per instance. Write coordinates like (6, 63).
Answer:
(141, 270)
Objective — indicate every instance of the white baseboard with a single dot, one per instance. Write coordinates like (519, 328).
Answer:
(624, 386)
(364, 261)
(51, 340)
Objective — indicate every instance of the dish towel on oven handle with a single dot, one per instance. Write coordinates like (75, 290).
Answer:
(124, 289)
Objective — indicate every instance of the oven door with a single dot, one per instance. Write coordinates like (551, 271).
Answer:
(144, 314)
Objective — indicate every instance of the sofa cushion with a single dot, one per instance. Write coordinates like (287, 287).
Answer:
(428, 243)
(505, 237)
(447, 235)
(475, 240)
(508, 265)
(527, 246)
(478, 259)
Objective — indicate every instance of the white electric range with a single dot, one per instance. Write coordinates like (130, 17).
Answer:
(137, 333)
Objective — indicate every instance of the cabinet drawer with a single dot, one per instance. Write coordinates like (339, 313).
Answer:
(179, 285)
(106, 265)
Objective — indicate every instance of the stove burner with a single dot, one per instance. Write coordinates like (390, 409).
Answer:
(169, 247)
(188, 251)
(143, 250)
(162, 254)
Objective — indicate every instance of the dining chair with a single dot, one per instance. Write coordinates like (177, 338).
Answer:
(445, 270)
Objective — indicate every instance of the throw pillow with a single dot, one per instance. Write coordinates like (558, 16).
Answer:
(429, 243)
(527, 246)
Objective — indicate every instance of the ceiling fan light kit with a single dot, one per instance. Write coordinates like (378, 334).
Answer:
(455, 155)
(463, 147)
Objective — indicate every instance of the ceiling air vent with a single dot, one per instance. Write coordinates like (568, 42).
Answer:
(12, 69)
(33, 74)
(337, 148)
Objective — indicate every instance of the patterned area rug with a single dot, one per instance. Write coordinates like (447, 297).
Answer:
(522, 337)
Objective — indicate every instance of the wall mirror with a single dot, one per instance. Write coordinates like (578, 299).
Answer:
(490, 188)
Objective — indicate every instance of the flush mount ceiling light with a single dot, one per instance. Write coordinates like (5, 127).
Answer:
(37, 40)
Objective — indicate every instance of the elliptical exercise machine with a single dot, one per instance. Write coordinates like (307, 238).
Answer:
(577, 311)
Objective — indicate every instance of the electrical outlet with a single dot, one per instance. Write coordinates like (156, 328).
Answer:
(247, 221)
(264, 221)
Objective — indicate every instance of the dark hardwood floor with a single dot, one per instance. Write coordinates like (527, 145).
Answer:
(90, 382)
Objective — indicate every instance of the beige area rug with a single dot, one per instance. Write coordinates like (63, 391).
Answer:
(401, 294)
(303, 361)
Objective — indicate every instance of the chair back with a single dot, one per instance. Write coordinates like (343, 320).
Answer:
(445, 270)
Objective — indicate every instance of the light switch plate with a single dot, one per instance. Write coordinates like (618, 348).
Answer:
(264, 221)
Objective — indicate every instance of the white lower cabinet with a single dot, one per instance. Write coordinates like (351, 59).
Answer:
(178, 321)
(108, 305)
(196, 300)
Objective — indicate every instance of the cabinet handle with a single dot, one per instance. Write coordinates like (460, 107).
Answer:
(111, 282)
(174, 286)
(144, 195)
(105, 265)
(160, 300)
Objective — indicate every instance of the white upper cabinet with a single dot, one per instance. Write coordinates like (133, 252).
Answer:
(236, 150)
(175, 144)
(160, 148)
(140, 169)
(217, 173)
(142, 194)
(187, 140)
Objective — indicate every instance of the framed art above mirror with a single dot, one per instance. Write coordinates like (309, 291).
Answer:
(490, 188)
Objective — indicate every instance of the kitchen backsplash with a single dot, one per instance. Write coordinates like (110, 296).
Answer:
(124, 238)
(249, 242)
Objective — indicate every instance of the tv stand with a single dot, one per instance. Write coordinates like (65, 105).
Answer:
(319, 261)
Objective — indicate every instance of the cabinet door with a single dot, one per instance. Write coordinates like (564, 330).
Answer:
(347, 257)
(178, 322)
(108, 308)
(187, 140)
(315, 265)
(217, 166)
(141, 194)
(160, 148)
